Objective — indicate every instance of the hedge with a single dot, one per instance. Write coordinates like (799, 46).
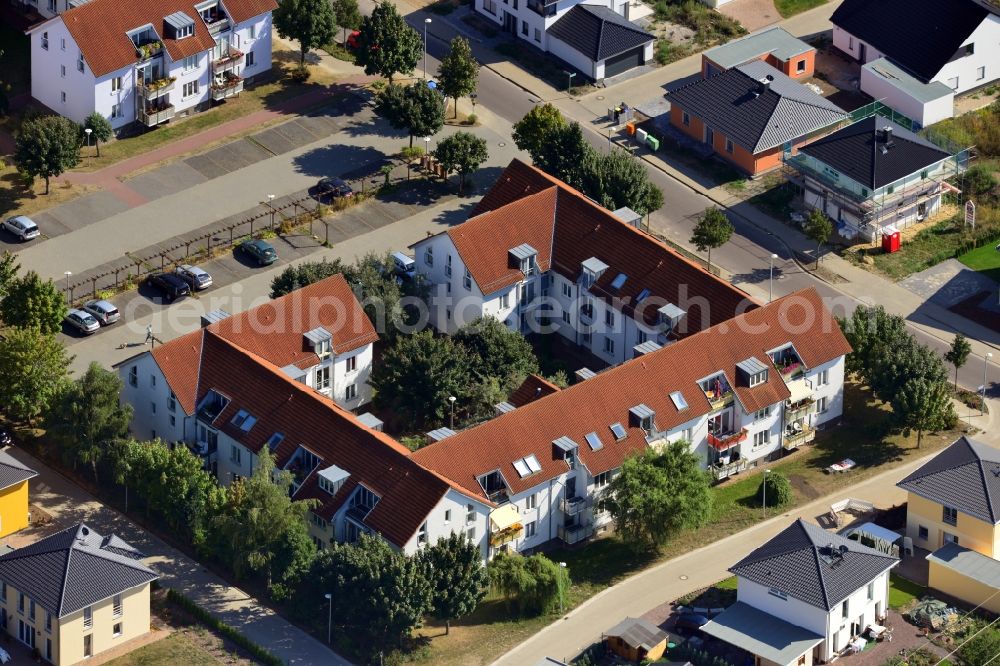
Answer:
(258, 652)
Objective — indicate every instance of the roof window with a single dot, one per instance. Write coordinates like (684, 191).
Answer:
(618, 431)
(593, 441)
(619, 281)
(679, 402)
(274, 441)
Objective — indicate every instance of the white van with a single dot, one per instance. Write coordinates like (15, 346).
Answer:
(405, 266)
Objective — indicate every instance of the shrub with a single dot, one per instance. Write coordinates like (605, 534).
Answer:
(779, 489)
(260, 653)
(471, 119)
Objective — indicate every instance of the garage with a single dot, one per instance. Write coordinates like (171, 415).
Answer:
(623, 62)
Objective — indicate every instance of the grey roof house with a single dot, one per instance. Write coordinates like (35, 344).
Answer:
(751, 114)
(775, 46)
(603, 43)
(804, 590)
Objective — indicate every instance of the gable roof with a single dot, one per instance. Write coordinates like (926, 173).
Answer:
(534, 387)
(965, 476)
(13, 471)
(306, 418)
(734, 104)
(526, 205)
(812, 565)
(99, 28)
(638, 632)
(857, 151)
(598, 32)
(774, 41)
(274, 331)
(606, 399)
(895, 27)
(73, 569)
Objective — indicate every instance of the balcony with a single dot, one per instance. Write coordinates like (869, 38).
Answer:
(722, 470)
(506, 535)
(794, 438)
(788, 363)
(150, 90)
(153, 114)
(587, 315)
(796, 410)
(231, 59)
(575, 505)
(146, 50)
(722, 442)
(357, 513)
(230, 86)
(718, 391)
(216, 20)
(571, 534)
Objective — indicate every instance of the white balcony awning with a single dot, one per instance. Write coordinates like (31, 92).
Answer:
(799, 390)
(503, 517)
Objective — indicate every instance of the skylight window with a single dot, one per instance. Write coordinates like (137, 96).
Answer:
(532, 463)
(275, 440)
(248, 423)
(594, 441)
(527, 465)
(522, 468)
(240, 417)
(679, 402)
(618, 431)
(643, 295)
(619, 281)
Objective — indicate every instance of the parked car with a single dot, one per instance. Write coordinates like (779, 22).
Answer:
(82, 321)
(168, 284)
(261, 251)
(104, 312)
(689, 622)
(22, 226)
(352, 39)
(404, 266)
(334, 188)
(196, 277)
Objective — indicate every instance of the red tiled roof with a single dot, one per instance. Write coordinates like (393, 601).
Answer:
(532, 388)
(99, 28)
(179, 360)
(274, 331)
(595, 404)
(527, 205)
(407, 491)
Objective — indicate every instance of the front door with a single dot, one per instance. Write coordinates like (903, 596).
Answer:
(709, 136)
(862, 52)
(510, 23)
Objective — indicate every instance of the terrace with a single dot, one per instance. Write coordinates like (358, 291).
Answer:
(154, 89)
(718, 390)
(153, 113)
(229, 60)
(228, 85)
(787, 362)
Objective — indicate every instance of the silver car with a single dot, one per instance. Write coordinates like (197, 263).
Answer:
(103, 311)
(21, 226)
(82, 322)
(198, 279)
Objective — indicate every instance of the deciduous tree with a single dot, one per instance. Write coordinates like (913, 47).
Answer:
(304, 274)
(387, 45)
(618, 179)
(534, 130)
(47, 146)
(818, 228)
(8, 272)
(33, 366)
(923, 405)
(565, 154)
(454, 567)
(309, 22)
(779, 490)
(458, 73)
(530, 585)
(498, 352)
(32, 302)
(461, 152)
(712, 230)
(87, 416)
(981, 648)
(958, 354)
(415, 108)
(100, 129)
(348, 15)
(657, 494)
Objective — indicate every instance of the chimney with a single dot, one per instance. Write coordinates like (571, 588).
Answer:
(765, 84)
(887, 134)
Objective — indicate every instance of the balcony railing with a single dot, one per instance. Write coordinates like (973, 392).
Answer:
(721, 400)
(576, 533)
(575, 505)
(728, 440)
(790, 369)
(722, 471)
(586, 315)
(506, 535)
(793, 412)
(156, 115)
(795, 439)
(155, 89)
(216, 22)
(228, 88)
(358, 512)
(148, 50)
(498, 496)
(231, 59)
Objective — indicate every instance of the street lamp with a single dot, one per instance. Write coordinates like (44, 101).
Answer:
(986, 365)
(270, 204)
(452, 400)
(67, 274)
(569, 83)
(329, 621)
(427, 22)
(87, 131)
(764, 488)
(473, 97)
(562, 565)
(770, 279)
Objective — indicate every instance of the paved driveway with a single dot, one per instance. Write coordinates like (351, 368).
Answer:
(68, 504)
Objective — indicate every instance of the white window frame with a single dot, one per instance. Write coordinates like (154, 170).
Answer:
(351, 364)
(88, 617)
(322, 380)
(116, 84)
(351, 392)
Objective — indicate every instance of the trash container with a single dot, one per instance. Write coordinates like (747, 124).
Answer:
(630, 128)
(640, 135)
(653, 143)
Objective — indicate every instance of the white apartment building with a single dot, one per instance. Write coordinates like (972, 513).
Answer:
(803, 596)
(738, 393)
(147, 63)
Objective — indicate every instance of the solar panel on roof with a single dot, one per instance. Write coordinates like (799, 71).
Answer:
(618, 431)
(594, 441)
(522, 468)
(619, 281)
(532, 463)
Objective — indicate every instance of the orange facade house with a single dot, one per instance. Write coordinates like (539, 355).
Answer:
(791, 56)
(751, 115)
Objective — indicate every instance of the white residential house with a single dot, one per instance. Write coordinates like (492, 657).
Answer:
(959, 51)
(147, 63)
(803, 596)
(737, 398)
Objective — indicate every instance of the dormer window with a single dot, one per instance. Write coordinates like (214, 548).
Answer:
(179, 25)
(331, 479)
(591, 271)
(669, 317)
(524, 257)
(321, 341)
(644, 417)
(751, 372)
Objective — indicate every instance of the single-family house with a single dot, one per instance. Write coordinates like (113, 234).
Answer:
(543, 258)
(596, 39)
(739, 393)
(14, 477)
(318, 336)
(751, 115)
(147, 62)
(803, 595)
(874, 174)
(793, 57)
(75, 594)
(916, 57)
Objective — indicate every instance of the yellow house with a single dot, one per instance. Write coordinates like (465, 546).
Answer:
(13, 494)
(74, 594)
(955, 498)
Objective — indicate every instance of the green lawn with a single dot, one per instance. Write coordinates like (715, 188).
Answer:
(902, 592)
(985, 259)
(174, 649)
(792, 7)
